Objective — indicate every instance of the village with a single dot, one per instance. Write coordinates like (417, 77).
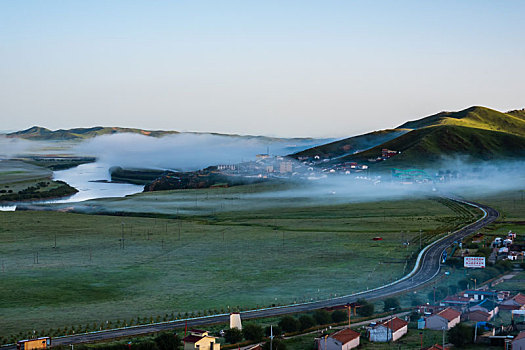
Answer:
(482, 315)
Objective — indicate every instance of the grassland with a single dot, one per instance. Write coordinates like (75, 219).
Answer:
(20, 181)
(226, 260)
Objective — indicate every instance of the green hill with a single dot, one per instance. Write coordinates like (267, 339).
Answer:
(430, 144)
(475, 117)
(351, 145)
(39, 133)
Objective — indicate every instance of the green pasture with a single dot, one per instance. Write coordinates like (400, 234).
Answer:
(13, 171)
(167, 267)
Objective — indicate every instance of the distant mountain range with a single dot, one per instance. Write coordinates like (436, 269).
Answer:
(40, 133)
(476, 133)
(285, 145)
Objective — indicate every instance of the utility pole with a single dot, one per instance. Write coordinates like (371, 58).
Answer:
(271, 337)
(443, 337)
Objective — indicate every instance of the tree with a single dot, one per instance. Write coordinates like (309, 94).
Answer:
(233, 335)
(391, 303)
(462, 284)
(339, 316)
(277, 344)
(167, 341)
(289, 324)
(305, 322)
(252, 331)
(322, 317)
(366, 308)
(275, 329)
(461, 335)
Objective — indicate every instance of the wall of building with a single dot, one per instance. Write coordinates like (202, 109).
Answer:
(518, 344)
(400, 332)
(436, 322)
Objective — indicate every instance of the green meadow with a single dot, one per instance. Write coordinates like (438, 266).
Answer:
(60, 270)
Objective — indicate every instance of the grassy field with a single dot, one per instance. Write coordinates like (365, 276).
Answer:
(13, 172)
(217, 262)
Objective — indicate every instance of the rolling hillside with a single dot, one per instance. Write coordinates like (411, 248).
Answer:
(428, 145)
(352, 145)
(476, 134)
(475, 117)
(39, 133)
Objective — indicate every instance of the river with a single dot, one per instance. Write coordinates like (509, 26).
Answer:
(87, 179)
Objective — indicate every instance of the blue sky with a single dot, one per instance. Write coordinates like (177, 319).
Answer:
(284, 68)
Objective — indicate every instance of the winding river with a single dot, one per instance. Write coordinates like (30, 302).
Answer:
(90, 181)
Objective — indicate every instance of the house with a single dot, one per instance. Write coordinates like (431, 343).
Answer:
(391, 329)
(477, 315)
(199, 339)
(487, 306)
(447, 319)
(344, 339)
(480, 294)
(459, 303)
(515, 303)
(518, 343)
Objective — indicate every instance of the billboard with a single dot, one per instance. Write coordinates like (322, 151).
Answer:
(474, 262)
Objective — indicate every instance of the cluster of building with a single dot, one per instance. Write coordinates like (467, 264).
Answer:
(267, 166)
(478, 305)
(385, 154)
(507, 248)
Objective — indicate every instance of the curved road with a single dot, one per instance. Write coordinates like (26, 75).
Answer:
(428, 268)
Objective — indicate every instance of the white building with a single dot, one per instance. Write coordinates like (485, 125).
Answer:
(391, 329)
(447, 319)
(518, 343)
(345, 339)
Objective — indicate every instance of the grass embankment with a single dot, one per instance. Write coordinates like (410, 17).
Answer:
(20, 181)
(227, 260)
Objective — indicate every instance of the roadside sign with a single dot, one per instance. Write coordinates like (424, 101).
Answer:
(474, 262)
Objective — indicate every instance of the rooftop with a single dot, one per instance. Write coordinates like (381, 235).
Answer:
(394, 324)
(346, 335)
(449, 314)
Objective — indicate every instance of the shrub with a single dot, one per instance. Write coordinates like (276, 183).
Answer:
(366, 308)
(391, 303)
(277, 331)
(339, 316)
(252, 331)
(289, 324)
(233, 335)
(276, 345)
(322, 317)
(460, 335)
(305, 322)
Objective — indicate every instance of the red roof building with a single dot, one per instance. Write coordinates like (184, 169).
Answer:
(344, 339)
(446, 319)
(391, 329)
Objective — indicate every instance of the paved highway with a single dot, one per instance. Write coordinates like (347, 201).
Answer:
(427, 268)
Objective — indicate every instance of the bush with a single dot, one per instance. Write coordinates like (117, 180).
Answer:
(390, 303)
(460, 335)
(233, 335)
(306, 322)
(277, 331)
(322, 317)
(167, 341)
(289, 324)
(276, 345)
(252, 331)
(463, 284)
(366, 308)
(339, 316)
